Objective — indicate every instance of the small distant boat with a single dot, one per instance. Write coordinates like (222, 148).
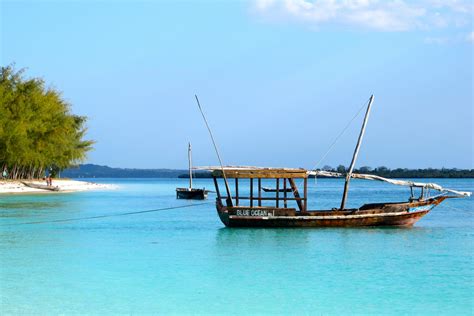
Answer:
(265, 189)
(40, 186)
(191, 193)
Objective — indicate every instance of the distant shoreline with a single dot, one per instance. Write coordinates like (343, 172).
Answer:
(65, 186)
(96, 171)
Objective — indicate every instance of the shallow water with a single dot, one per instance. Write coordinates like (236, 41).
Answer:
(183, 261)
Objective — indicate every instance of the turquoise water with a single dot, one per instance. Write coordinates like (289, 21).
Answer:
(184, 261)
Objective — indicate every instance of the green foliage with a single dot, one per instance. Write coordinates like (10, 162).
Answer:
(341, 169)
(37, 129)
(96, 171)
(409, 173)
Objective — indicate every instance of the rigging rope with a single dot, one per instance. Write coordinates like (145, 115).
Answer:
(108, 215)
(340, 134)
(337, 139)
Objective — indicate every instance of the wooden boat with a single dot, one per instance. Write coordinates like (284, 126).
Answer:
(265, 189)
(191, 193)
(40, 186)
(248, 210)
(236, 210)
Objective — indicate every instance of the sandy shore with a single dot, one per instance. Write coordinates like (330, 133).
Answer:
(64, 186)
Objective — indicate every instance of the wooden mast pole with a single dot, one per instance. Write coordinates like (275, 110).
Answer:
(229, 196)
(356, 152)
(190, 167)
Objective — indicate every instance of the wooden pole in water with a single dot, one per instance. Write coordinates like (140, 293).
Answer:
(356, 152)
(229, 196)
(190, 167)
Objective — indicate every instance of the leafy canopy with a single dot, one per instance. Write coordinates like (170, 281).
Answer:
(37, 129)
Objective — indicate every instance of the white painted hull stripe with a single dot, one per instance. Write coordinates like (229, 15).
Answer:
(325, 217)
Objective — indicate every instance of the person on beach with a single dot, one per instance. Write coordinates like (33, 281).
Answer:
(49, 180)
(4, 174)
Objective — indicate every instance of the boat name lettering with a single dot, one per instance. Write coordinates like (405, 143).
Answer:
(251, 213)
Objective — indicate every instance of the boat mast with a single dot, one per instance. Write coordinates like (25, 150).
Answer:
(229, 196)
(356, 152)
(190, 167)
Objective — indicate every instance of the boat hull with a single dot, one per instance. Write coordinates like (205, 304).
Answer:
(403, 214)
(193, 194)
(41, 186)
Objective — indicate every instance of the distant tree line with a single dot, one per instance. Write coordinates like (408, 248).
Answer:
(197, 175)
(407, 173)
(38, 132)
(97, 171)
(386, 172)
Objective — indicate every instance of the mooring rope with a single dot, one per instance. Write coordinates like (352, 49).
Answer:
(108, 215)
(453, 208)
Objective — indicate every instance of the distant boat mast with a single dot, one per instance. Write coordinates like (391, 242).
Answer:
(190, 167)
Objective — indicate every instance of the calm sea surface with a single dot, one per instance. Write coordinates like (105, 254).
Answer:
(183, 261)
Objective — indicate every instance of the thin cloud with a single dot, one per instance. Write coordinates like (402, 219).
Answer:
(470, 37)
(453, 39)
(378, 15)
(437, 40)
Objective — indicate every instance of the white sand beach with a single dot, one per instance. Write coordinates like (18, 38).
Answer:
(65, 185)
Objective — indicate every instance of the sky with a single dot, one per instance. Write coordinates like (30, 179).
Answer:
(278, 80)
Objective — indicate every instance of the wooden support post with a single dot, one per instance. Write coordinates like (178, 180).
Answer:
(236, 192)
(296, 193)
(285, 204)
(305, 194)
(259, 192)
(216, 184)
(356, 152)
(277, 193)
(251, 192)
